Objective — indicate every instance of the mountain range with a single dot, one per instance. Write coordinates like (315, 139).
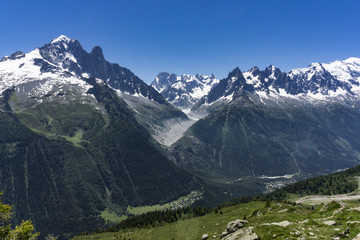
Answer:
(185, 90)
(274, 123)
(336, 81)
(81, 136)
(73, 148)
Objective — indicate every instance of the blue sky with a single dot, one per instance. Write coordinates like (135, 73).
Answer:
(190, 36)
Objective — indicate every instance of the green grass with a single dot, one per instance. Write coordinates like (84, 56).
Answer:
(190, 228)
(76, 139)
(13, 98)
(111, 216)
(69, 121)
(144, 209)
(305, 222)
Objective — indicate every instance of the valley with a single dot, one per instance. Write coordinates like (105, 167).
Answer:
(180, 120)
(185, 201)
(292, 217)
(277, 221)
(101, 145)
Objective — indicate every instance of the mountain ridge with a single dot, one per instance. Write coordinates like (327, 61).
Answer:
(316, 82)
(185, 90)
(259, 123)
(73, 145)
(66, 57)
(274, 123)
(63, 63)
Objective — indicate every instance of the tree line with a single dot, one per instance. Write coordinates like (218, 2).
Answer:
(336, 183)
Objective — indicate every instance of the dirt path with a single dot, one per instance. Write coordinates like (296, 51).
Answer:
(317, 199)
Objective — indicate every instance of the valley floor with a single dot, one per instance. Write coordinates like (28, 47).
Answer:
(278, 220)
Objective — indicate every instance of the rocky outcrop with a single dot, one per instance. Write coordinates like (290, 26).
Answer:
(236, 230)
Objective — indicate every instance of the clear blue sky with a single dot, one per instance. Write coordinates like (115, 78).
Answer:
(190, 36)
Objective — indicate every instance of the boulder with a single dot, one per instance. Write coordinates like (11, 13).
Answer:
(204, 236)
(245, 233)
(233, 227)
(330, 223)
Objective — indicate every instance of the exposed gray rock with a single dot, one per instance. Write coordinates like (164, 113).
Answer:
(204, 236)
(235, 225)
(330, 223)
(245, 233)
(237, 230)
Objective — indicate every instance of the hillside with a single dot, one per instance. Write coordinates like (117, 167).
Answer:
(272, 221)
(88, 141)
(276, 219)
(73, 158)
(247, 138)
(63, 61)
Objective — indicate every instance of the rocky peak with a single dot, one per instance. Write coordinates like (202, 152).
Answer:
(65, 53)
(163, 80)
(14, 56)
(63, 44)
(97, 53)
(236, 72)
(64, 57)
(61, 39)
(185, 90)
(254, 71)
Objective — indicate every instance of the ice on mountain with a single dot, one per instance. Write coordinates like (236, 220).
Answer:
(185, 90)
(61, 38)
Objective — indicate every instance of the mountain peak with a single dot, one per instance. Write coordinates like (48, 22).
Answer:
(317, 67)
(235, 72)
(352, 60)
(271, 67)
(185, 90)
(98, 53)
(15, 55)
(61, 38)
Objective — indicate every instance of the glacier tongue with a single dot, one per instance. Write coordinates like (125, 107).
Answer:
(172, 131)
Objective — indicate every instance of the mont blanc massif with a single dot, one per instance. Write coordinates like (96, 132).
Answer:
(82, 137)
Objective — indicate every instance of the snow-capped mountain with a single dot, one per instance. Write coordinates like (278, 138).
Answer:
(63, 60)
(59, 72)
(61, 114)
(185, 90)
(274, 123)
(337, 80)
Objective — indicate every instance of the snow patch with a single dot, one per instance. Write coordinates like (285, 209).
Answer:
(61, 38)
